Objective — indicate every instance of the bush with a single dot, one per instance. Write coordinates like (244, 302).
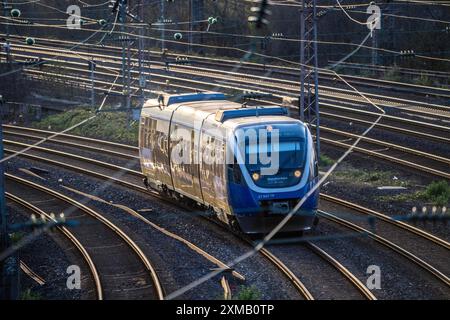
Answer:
(29, 295)
(437, 192)
(248, 293)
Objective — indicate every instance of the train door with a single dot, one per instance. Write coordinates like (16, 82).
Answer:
(144, 148)
(160, 138)
(212, 167)
(184, 162)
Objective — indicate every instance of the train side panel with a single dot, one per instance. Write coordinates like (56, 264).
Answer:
(213, 168)
(154, 147)
(184, 163)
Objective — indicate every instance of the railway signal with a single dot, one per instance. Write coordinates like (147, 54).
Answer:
(15, 13)
(182, 60)
(211, 21)
(102, 22)
(407, 54)
(30, 41)
(178, 36)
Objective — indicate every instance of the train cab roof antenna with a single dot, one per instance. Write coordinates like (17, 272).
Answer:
(161, 101)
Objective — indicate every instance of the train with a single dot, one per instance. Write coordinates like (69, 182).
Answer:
(247, 165)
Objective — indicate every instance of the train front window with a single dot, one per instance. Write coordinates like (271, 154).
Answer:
(288, 164)
(290, 155)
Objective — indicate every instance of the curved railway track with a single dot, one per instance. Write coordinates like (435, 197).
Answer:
(134, 180)
(417, 160)
(439, 275)
(31, 274)
(349, 112)
(298, 285)
(132, 183)
(104, 240)
(342, 272)
(69, 235)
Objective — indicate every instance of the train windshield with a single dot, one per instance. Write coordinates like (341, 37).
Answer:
(276, 157)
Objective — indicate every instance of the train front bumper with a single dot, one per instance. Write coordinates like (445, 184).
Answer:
(263, 223)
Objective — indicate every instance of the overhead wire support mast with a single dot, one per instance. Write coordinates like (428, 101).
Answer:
(7, 46)
(126, 58)
(141, 48)
(309, 79)
(163, 27)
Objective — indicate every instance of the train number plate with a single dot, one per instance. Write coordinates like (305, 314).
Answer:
(280, 207)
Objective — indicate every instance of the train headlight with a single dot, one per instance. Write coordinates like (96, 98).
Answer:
(255, 176)
(297, 173)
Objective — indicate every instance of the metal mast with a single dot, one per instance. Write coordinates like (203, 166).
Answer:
(126, 58)
(7, 9)
(195, 16)
(309, 82)
(141, 48)
(163, 24)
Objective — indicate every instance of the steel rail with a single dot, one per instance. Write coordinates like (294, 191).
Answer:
(279, 94)
(31, 274)
(400, 224)
(286, 271)
(388, 244)
(69, 235)
(124, 183)
(345, 93)
(343, 270)
(156, 282)
(257, 66)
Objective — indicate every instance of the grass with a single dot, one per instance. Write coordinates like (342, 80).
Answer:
(248, 293)
(374, 178)
(112, 126)
(436, 193)
(393, 75)
(325, 161)
(30, 295)
(15, 237)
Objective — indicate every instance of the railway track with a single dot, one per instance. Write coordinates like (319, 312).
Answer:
(381, 69)
(221, 78)
(130, 275)
(389, 123)
(422, 247)
(414, 159)
(31, 274)
(258, 68)
(340, 282)
(339, 275)
(134, 180)
(438, 274)
(300, 287)
(32, 209)
(329, 110)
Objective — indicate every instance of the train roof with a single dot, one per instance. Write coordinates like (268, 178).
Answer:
(216, 108)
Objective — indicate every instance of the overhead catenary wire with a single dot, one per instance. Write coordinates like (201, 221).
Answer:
(259, 37)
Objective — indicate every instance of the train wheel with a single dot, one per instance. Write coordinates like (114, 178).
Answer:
(234, 225)
(315, 223)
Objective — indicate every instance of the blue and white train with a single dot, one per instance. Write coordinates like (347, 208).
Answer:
(202, 147)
